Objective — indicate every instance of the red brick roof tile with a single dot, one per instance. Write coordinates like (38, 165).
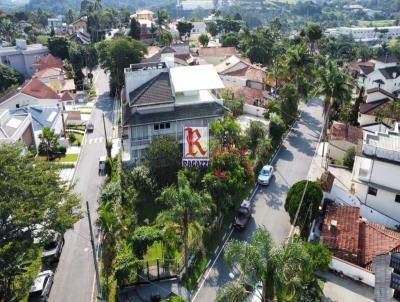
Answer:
(67, 96)
(217, 51)
(39, 90)
(48, 61)
(343, 132)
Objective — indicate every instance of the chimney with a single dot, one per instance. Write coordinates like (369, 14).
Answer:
(21, 44)
(394, 75)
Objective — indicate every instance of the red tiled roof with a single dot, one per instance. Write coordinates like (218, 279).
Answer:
(355, 66)
(249, 95)
(250, 73)
(343, 132)
(217, 51)
(67, 96)
(344, 236)
(48, 72)
(375, 240)
(368, 107)
(356, 240)
(48, 61)
(39, 90)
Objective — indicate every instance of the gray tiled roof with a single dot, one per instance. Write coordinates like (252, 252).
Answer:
(388, 72)
(366, 69)
(186, 112)
(156, 91)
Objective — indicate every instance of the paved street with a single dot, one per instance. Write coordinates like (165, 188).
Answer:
(292, 164)
(74, 279)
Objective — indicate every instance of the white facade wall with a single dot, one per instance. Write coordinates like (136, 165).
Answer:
(253, 110)
(352, 271)
(22, 60)
(385, 178)
(361, 33)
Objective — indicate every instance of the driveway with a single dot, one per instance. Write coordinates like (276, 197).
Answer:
(74, 278)
(292, 163)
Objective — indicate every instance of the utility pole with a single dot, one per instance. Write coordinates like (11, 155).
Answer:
(104, 125)
(96, 268)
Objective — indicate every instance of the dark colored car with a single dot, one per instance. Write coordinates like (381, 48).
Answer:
(243, 215)
(89, 127)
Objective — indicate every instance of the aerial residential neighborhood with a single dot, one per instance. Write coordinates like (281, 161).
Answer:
(198, 150)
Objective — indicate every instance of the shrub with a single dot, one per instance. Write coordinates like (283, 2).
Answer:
(62, 149)
(349, 157)
(71, 138)
(108, 167)
(276, 128)
(234, 105)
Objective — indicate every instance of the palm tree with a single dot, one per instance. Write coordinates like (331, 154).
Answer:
(161, 20)
(283, 271)
(48, 142)
(299, 64)
(7, 29)
(335, 86)
(186, 208)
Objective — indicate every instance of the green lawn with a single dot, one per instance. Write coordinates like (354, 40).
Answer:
(79, 138)
(376, 23)
(68, 158)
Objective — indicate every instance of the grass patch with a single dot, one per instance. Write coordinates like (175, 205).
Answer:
(376, 23)
(154, 252)
(78, 141)
(68, 158)
(77, 127)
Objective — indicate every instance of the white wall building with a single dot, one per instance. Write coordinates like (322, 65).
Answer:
(365, 33)
(376, 172)
(162, 98)
(22, 56)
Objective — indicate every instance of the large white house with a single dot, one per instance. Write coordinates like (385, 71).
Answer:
(376, 172)
(365, 33)
(161, 99)
(380, 79)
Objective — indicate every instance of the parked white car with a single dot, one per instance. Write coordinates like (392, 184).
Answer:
(265, 175)
(40, 289)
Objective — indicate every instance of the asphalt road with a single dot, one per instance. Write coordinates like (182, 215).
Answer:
(74, 278)
(291, 164)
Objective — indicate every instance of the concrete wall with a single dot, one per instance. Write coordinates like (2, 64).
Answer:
(233, 81)
(253, 110)
(352, 271)
(337, 149)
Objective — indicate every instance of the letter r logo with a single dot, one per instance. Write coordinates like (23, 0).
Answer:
(192, 138)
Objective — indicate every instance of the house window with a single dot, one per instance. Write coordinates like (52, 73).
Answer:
(156, 127)
(140, 133)
(162, 126)
(397, 198)
(372, 191)
(17, 105)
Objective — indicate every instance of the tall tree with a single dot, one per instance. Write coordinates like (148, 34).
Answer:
(58, 47)
(310, 202)
(256, 132)
(335, 86)
(203, 40)
(285, 271)
(71, 16)
(163, 159)
(9, 77)
(161, 20)
(288, 103)
(115, 55)
(313, 33)
(34, 200)
(185, 207)
(7, 29)
(134, 31)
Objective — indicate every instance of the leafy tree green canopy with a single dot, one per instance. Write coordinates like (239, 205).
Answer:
(58, 47)
(9, 77)
(115, 55)
(33, 200)
(309, 207)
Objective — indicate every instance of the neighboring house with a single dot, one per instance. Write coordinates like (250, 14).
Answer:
(354, 239)
(80, 37)
(215, 55)
(376, 172)
(366, 33)
(342, 137)
(57, 24)
(244, 79)
(146, 20)
(22, 56)
(48, 61)
(16, 128)
(78, 26)
(380, 79)
(143, 14)
(33, 92)
(56, 79)
(199, 27)
(68, 98)
(50, 117)
(180, 53)
(161, 99)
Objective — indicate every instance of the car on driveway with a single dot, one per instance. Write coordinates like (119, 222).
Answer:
(40, 289)
(265, 175)
(89, 127)
(243, 215)
(53, 246)
(102, 164)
